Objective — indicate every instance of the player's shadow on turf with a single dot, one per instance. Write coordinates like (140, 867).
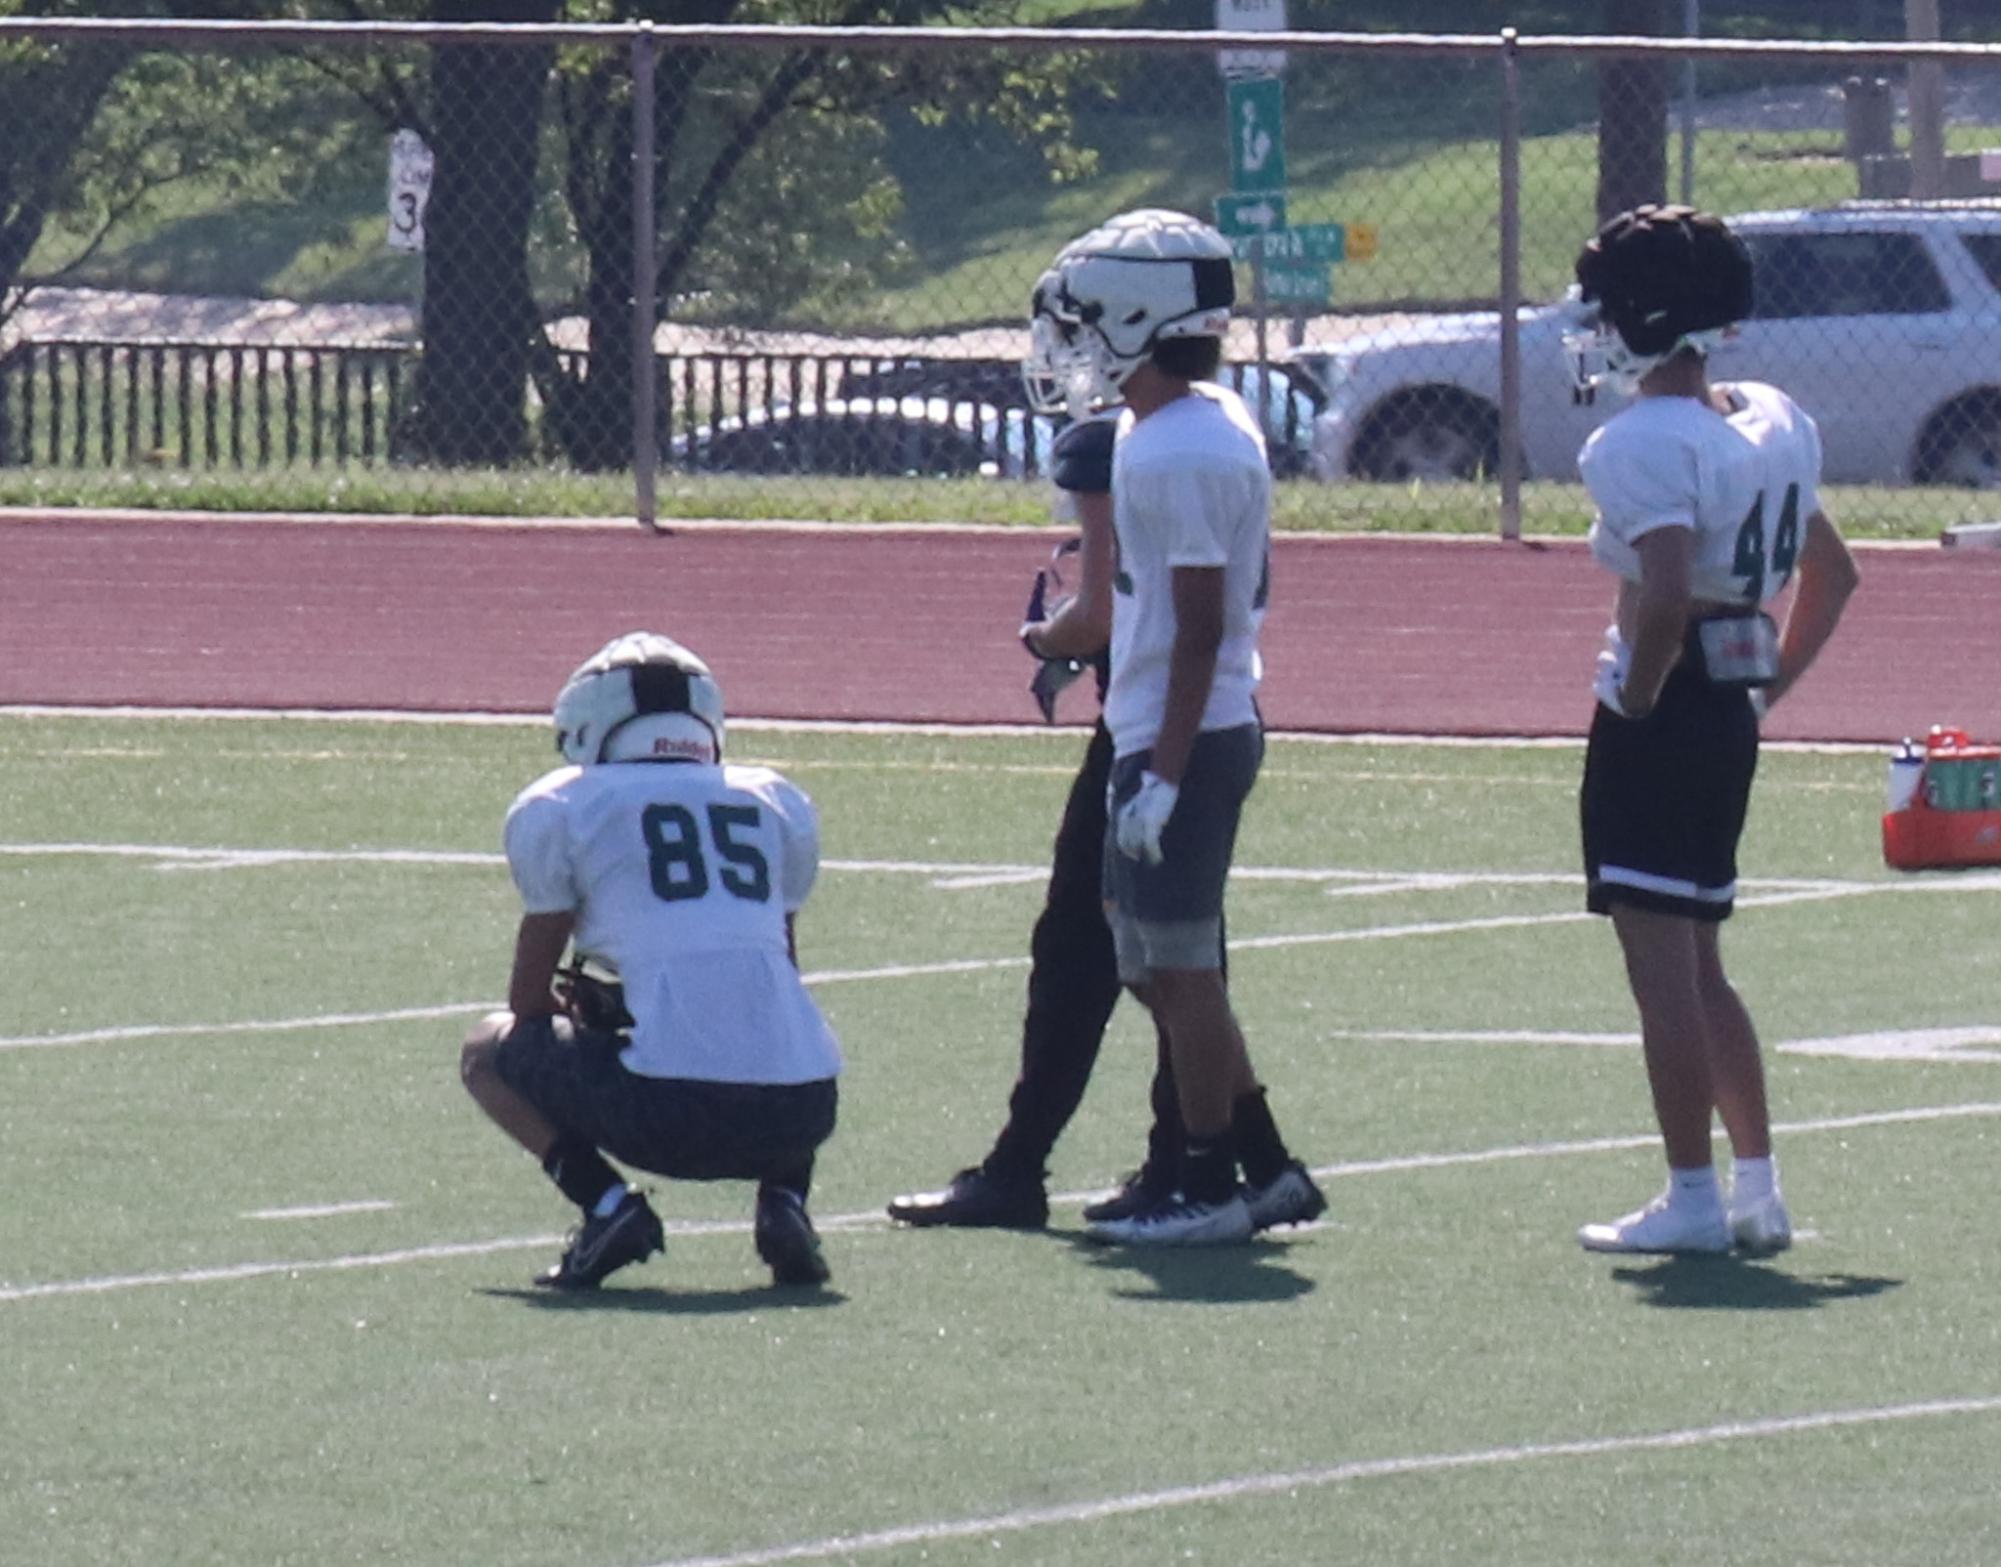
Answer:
(1738, 1284)
(1252, 1271)
(675, 1303)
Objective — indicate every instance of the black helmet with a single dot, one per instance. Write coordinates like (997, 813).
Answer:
(1660, 275)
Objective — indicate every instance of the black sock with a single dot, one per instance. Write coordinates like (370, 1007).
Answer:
(579, 1170)
(1209, 1169)
(1011, 1167)
(1263, 1151)
(794, 1176)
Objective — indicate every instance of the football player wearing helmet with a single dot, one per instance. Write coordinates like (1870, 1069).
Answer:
(1135, 311)
(681, 875)
(1708, 504)
(1073, 977)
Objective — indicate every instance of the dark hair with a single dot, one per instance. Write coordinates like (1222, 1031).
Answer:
(1659, 273)
(1189, 358)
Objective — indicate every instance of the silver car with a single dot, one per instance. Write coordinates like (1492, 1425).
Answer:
(1883, 319)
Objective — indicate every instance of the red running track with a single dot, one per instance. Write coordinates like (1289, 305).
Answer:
(1397, 634)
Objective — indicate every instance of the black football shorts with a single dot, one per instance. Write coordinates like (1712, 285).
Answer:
(1664, 799)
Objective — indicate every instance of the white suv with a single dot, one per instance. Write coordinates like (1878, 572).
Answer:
(1883, 319)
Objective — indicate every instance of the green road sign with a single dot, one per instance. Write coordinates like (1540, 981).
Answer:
(1297, 285)
(1257, 133)
(1241, 215)
(1307, 242)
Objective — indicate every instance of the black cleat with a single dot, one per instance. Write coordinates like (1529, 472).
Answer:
(600, 1247)
(1141, 1190)
(786, 1240)
(977, 1199)
(1290, 1197)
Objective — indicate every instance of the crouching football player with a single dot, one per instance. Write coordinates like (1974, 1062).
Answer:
(681, 875)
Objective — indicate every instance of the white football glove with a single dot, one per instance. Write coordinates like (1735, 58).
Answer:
(1143, 818)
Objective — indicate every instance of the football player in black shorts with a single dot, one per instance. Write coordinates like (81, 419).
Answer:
(1707, 498)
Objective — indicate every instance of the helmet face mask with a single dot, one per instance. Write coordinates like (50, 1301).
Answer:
(1600, 360)
(641, 696)
(1653, 283)
(1060, 373)
(1111, 296)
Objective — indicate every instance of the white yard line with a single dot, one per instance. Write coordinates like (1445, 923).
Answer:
(1786, 892)
(1396, 1165)
(286, 1025)
(747, 725)
(1286, 1482)
(972, 873)
(1917, 1044)
(322, 1210)
(874, 1219)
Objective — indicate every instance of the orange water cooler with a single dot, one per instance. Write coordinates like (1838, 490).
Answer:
(1944, 804)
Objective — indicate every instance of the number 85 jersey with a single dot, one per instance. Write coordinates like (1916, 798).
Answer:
(681, 877)
(1745, 483)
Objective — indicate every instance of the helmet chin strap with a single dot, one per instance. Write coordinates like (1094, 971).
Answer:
(1600, 359)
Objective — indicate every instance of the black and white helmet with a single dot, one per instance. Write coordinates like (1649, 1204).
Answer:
(1114, 293)
(640, 697)
(1652, 282)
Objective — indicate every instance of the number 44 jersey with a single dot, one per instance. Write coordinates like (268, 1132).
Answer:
(1745, 483)
(681, 877)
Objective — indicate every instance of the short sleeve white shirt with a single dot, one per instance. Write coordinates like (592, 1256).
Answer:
(1744, 484)
(1190, 487)
(681, 877)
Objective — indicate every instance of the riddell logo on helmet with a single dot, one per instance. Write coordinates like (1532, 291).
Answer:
(682, 748)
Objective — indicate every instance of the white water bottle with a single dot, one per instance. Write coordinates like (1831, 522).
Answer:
(1907, 768)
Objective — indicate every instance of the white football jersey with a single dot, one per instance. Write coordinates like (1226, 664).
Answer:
(1190, 487)
(681, 876)
(1745, 485)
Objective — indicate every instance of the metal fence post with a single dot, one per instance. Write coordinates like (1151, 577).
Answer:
(645, 284)
(1511, 286)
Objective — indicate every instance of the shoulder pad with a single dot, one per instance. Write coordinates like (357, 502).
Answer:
(1081, 458)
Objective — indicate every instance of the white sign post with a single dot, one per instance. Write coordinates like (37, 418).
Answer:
(1250, 16)
(409, 190)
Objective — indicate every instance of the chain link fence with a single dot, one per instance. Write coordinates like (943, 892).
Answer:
(781, 271)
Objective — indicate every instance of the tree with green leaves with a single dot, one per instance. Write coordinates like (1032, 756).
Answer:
(771, 187)
(774, 194)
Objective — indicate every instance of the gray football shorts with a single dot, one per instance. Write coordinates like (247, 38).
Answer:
(685, 1128)
(1170, 915)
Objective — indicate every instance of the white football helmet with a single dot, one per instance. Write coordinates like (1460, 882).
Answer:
(640, 697)
(1113, 294)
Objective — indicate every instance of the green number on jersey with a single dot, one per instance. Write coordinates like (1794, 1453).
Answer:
(674, 853)
(1750, 560)
(744, 871)
(1786, 542)
(679, 869)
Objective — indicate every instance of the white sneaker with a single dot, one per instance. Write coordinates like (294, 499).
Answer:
(1175, 1221)
(1661, 1227)
(1762, 1226)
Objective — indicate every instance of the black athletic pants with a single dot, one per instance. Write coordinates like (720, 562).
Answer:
(1073, 984)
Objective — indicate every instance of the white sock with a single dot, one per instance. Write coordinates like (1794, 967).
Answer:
(1751, 1179)
(607, 1205)
(1695, 1188)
